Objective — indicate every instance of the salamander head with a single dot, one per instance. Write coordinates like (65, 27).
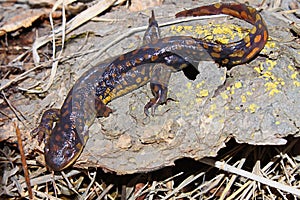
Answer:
(63, 147)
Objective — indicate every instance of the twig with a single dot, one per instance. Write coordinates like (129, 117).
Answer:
(23, 159)
(65, 29)
(21, 76)
(187, 181)
(54, 63)
(71, 25)
(92, 180)
(25, 74)
(105, 191)
(15, 111)
(230, 183)
(231, 169)
(69, 184)
(239, 190)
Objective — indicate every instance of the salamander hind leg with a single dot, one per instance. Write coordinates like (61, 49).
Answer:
(159, 87)
(152, 33)
(160, 73)
(102, 109)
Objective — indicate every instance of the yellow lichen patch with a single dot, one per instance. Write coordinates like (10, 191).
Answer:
(223, 40)
(270, 44)
(188, 28)
(259, 69)
(280, 81)
(249, 93)
(270, 64)
(132, 108)
(222, 120)
(211, 116)
(201, 30)
(213, 107)
(237, 85)
(224, 95)
(203, 93)
(200, 84)
(176, 29)
(232, 90)
(222, 78)
(268, 47)
(131, 45)
(243, 98)
(189, 85)
(271, 88)
(229, 30)
(223, 33)
(252, 108)
(296, 83)
(199, 100)
(294, 75)
(290, 67)
(181, 29)
(221, 30)
(277, 122)
(272, 81)
(239, 32)
(268, 75)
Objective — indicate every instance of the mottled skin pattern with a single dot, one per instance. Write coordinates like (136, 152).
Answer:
(109, 80)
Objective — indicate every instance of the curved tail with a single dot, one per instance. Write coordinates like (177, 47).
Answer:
(237, 52)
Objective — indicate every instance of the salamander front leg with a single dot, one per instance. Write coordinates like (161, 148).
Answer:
(44, 129)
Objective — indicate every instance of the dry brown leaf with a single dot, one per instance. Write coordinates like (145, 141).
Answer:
(23, 20)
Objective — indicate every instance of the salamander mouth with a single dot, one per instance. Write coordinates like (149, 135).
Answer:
(59, 156)
(62, 159)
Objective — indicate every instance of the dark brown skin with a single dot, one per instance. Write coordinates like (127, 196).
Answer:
(109, 80)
